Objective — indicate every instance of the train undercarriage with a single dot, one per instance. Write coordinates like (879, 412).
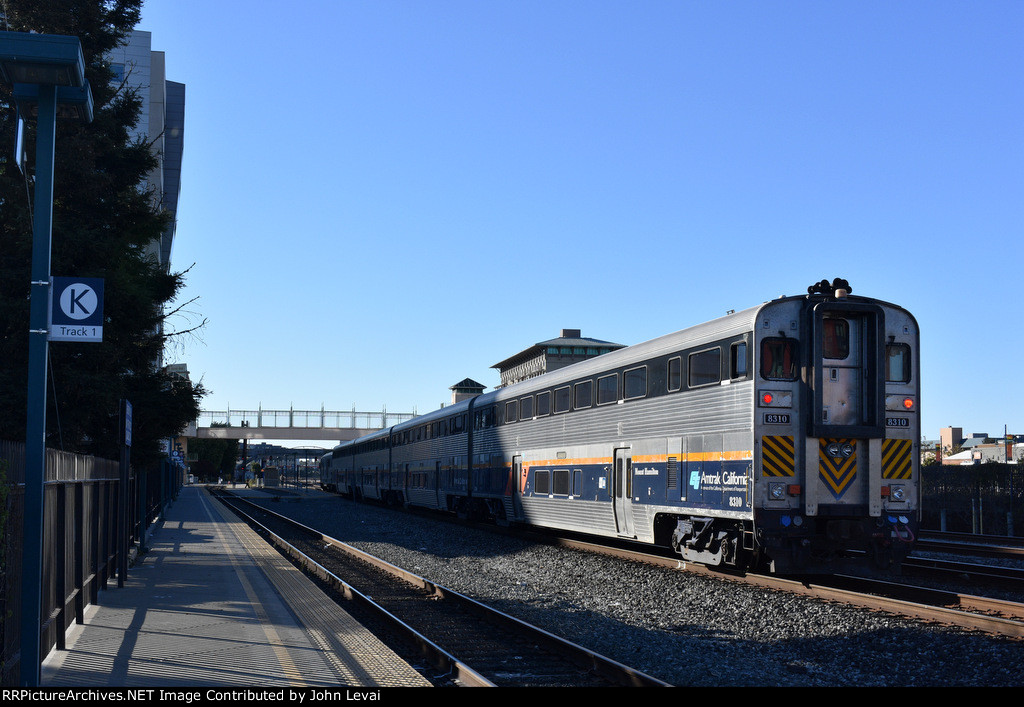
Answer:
(817, 546)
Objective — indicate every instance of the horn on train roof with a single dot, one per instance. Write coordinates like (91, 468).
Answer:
(838, 288)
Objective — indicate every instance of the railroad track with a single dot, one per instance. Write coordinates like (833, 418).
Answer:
(1012, 577)
(993, 546)
(458, 636)
(988, 615)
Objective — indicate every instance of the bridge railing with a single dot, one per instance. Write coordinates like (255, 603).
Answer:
(304, 419)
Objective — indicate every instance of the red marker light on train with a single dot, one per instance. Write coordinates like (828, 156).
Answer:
(767, 398)
(908, 403)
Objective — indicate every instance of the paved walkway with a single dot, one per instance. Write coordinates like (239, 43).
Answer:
(211, 604)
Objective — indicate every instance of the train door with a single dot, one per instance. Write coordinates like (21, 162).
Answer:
(843, 353)
(513, 501)
(846, 420)
(437, 485)
(622, 492)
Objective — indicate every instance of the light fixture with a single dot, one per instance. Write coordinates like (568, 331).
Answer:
(73, 102)
(46, 59)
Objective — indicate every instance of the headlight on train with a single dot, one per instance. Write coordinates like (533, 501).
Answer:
(897, 493)
(776, 491)
(837, 449)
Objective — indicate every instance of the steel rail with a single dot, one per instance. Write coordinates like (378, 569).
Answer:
(437, 656)
(960, 617)
(611, 670)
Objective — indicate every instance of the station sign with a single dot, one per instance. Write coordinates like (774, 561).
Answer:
(76, 309)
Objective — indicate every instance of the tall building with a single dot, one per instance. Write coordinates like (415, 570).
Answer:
(162, 123)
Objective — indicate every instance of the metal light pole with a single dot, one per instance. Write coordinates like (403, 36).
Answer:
(47, 70)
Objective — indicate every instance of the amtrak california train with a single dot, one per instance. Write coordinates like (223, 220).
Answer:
(784, 437)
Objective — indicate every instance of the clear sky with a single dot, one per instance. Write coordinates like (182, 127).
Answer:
(381, 198)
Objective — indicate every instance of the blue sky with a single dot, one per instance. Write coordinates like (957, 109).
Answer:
(383, 198)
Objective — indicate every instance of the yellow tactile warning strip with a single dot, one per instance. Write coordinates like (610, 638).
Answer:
(356, 655)
(206, 606)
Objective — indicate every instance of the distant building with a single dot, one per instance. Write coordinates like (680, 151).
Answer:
(984, 453)
(161, 123)
(551, 355)
(466, 389)
(950, 438)
(978, 447)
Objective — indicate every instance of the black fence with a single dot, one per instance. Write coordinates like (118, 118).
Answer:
(987, 499)
(80, 539)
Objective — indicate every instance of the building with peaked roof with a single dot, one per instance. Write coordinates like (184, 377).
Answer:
(569, 348)
(465, 389)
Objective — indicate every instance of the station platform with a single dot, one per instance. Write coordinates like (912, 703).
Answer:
(212, 604)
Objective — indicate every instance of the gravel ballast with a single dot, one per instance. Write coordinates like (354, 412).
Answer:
(687, 630)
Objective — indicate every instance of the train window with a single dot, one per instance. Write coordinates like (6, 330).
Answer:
(485, 418)
(542, 482)
(543, 404)
(526, 408)
(560, 482)
(779, 359)
(705, 367)
(577, 482)
(563, 400)
(835, 338)
(897, 363)
(675, 373)
(583, 395)
(738, 360)
(608, 389)
(510, 411)
(634, 383)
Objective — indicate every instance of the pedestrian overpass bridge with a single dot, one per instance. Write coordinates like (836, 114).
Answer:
(321, 425)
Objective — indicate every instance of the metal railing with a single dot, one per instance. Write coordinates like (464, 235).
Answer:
(305, 419)
(82, 520)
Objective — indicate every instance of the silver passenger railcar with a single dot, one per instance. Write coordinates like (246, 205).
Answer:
(784, 437)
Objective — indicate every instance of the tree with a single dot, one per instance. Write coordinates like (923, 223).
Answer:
(104, 220)
(216, 456)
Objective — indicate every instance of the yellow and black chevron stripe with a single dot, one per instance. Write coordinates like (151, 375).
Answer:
(777, 458)
(837, 472)
(896, 458)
